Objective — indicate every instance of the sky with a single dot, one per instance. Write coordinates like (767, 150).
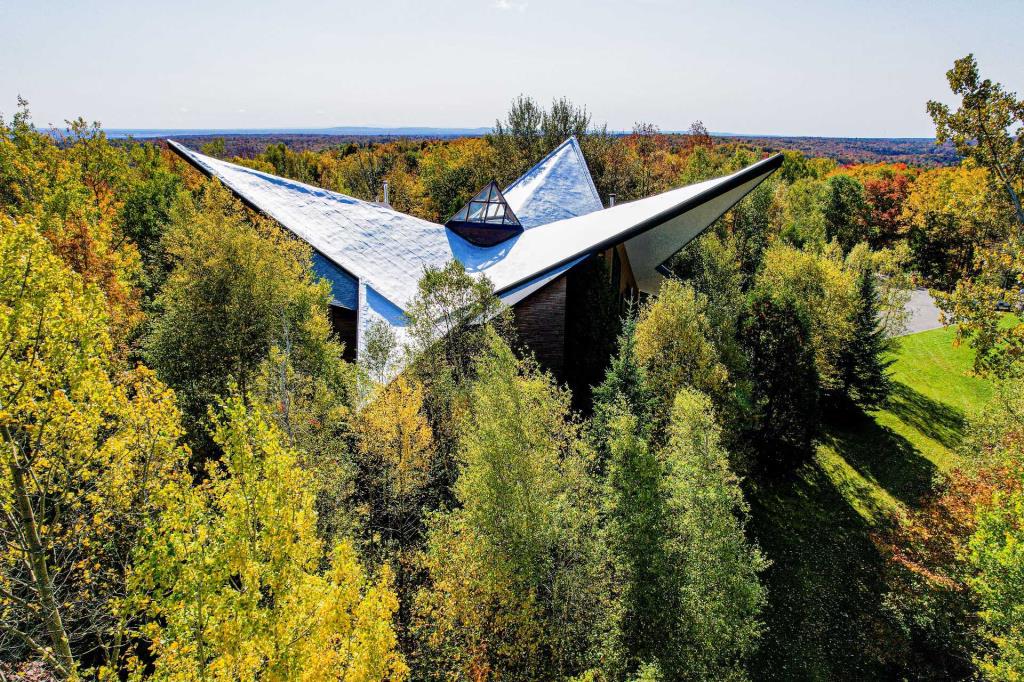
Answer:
(838, 68)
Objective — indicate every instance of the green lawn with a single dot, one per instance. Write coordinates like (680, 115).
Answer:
(889, 459)
(826, 609)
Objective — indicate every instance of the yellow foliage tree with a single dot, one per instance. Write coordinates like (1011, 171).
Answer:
(673, 344)
(827, 289)
(952, 214)
(72, 185)
(83, 453)
(233, 574)
(394, 436)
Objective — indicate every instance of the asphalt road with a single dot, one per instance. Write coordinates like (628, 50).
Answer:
(924, 315)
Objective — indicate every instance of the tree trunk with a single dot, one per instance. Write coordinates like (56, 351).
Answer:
(41, 575)
(1016, 203)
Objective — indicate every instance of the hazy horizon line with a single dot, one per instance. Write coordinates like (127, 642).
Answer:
(416, 131)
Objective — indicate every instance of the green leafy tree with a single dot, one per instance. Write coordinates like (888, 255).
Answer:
(447, 314)
(146, 215)
(716, 568)
(215, 148)
(236, 290)
(982, 128)
(638, 530)
(379, 353)
(803, 218)
(755, 221)
(797, 166)
(690, 596)
(673, 343)
(518, 140)
(845, 211)
(624, 389)
(712, 266)
(824, 287)
(514, 586)
(562, 121)
(447, 334)
(530, 131)
(777, 336)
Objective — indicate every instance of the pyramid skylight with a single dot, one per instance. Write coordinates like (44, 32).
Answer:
(487, 219)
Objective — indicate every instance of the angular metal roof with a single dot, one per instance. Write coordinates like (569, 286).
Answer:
(558, 187)
(386, 251)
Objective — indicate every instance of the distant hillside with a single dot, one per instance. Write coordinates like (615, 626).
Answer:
(917, 151)
(344, 131)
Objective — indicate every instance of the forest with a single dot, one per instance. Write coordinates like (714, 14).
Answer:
(845, 150)
(753, 474)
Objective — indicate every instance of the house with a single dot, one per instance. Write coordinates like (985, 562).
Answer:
(529, 239)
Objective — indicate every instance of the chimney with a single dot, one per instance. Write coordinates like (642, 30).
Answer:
(386, 193)
(611, 200)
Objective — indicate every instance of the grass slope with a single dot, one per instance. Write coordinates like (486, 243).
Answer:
(826, 615)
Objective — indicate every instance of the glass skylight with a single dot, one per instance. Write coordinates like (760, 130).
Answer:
(487, 219)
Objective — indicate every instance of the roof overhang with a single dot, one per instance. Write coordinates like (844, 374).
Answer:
(655, 229)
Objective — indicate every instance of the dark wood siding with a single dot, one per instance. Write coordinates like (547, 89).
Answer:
(540, 320)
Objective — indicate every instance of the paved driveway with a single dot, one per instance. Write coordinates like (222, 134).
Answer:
(924, 315)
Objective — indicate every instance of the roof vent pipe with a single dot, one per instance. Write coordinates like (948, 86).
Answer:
(611, 200)
(386, 193)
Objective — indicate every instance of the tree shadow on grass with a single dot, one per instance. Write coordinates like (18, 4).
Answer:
(935, 419)
(825, 619)
(880, 454)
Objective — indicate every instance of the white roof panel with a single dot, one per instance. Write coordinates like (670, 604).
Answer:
(558, 187)
(387, 251)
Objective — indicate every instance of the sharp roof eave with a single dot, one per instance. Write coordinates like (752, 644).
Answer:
(715, 188)
(510, 265)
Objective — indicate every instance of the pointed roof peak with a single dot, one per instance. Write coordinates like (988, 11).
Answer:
(558, 186)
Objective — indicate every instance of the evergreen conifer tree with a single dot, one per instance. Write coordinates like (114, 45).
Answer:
(863, 365)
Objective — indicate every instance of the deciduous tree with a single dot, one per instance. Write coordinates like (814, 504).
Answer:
(232, 575)
(237, 289)
(84, 451)
(786, 389)
(988, 127)
(514, 589)
(673, 344)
